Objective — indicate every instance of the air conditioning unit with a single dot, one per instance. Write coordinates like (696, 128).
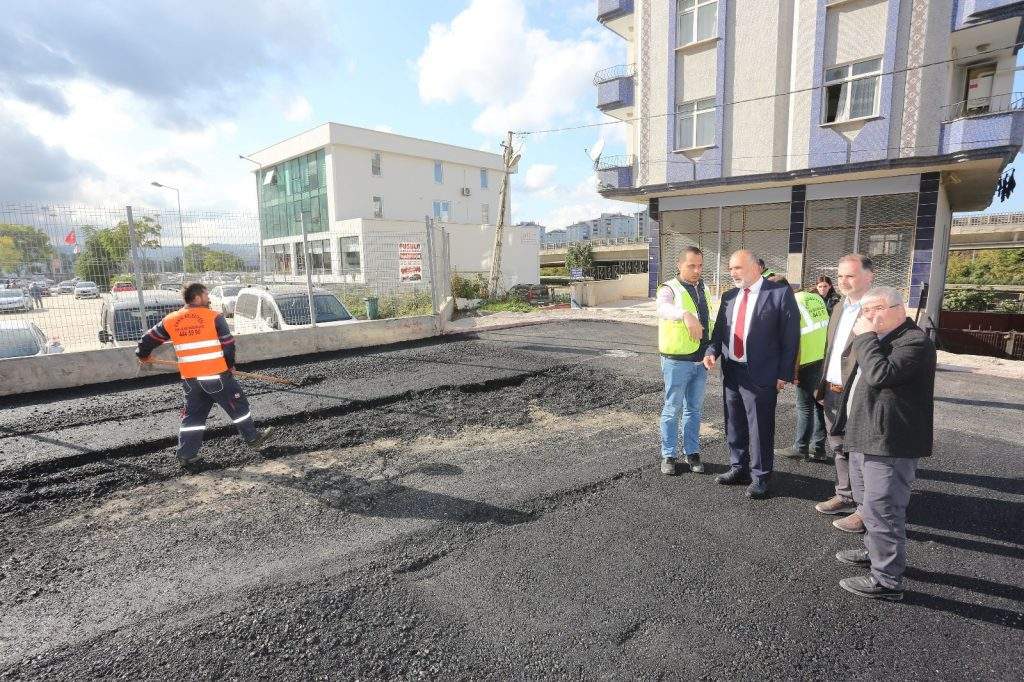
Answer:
(466, 192)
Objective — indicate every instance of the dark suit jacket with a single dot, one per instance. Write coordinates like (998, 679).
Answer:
(891, 411)
(847, 362)
(773, 340)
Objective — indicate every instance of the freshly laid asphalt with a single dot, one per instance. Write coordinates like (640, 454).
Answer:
(483, 507)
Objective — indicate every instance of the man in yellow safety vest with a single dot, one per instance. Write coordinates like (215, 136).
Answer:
(810, 416)
(685, 319)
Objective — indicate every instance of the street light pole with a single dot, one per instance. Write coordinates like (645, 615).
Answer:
(181, 231)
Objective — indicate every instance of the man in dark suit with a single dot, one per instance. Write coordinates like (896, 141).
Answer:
(757, 330)
(855, 274)
(886, 420)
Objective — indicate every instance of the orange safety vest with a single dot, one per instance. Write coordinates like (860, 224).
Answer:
(193, 332)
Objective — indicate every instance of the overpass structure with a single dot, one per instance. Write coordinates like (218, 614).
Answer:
(606, 251)
(992, 231)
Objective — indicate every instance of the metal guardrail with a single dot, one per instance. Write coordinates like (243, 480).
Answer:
(983, 106)
(614, 72)
(615, 241)
(613, 162)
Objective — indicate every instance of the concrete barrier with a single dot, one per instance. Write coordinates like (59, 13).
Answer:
(598, 292)
(66, 370)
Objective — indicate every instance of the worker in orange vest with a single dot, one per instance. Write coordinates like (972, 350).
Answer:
(206, 355)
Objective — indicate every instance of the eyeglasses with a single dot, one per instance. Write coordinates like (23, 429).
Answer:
(880, 308)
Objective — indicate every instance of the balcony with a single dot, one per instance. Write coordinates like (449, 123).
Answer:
(994, 121)
(615, 172)
(972, 12)
(615, 90)
(617, 16)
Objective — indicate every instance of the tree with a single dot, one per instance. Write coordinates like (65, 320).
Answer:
(31, 245)
(222, 261)
(10, 255)
(579, 255)
(195, 256)
(95, 263)
(988, 266)
(117, 243)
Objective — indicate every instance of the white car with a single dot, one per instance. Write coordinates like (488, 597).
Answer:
(87, 290)
(19, 339)
(273, 308)
(223, 298)
(15, 299)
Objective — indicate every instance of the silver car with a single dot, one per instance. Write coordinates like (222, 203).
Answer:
(19, 339)
(87, 290)
(224, 297)
(14, 299)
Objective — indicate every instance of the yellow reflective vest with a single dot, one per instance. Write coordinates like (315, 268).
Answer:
(673, 336)
(813, 327)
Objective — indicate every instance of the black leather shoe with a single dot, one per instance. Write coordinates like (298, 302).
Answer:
(865, 586)
(734, 477)
(854, 557)
(758, 490)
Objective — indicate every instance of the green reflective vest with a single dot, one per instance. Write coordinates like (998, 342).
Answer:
(673, 336)
(813, 327)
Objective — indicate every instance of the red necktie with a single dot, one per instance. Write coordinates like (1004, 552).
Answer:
(741, 327)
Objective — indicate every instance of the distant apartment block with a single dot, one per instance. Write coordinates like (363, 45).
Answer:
(804, 129)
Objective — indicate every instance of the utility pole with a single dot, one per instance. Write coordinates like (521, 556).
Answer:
(510, 159)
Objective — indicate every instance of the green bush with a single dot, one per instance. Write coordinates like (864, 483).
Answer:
(466, 287)
(965, 299)
(986, 266)
(554, 271)
(393, 305)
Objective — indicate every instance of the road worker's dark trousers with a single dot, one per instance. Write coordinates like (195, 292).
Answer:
(200, 395)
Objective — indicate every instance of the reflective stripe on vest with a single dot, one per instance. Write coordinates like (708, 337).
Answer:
(813, 326)
(193, 332)
(673, 336)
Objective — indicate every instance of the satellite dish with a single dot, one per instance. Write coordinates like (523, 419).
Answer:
(595, 153)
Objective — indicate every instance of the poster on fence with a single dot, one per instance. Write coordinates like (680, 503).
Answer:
(410, 261)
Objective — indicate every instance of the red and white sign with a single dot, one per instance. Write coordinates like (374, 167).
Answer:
(410, 261)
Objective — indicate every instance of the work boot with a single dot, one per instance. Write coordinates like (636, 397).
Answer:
(192, 465)
(819, 455)
(734, 477)
(854, 557)
(696, 466)
(262, 437)
(850, 524)
(668, 466)
(757, 490)
(792, 452)
(835, 505)
(865, 586)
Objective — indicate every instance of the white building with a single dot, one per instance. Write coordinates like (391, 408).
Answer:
(364, 191)
(610, 226)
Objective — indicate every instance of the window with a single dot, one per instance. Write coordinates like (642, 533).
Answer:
(320, 256)
(851, 91)
(695, 124)
(442, 210)
(350, 259)
(438, 172)
(268, 314)
(278, 259)
(378, 207)
(485, 214)
(375, 164)
(696, 20)
(270, 177)
(484, 180)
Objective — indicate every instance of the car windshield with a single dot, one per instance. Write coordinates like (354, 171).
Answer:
(16, 343)
(11, 293)
(85, 285)
(295, 308)
(230, 291)
(128, 321)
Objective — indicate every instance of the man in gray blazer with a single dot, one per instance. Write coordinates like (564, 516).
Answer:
(886, 420)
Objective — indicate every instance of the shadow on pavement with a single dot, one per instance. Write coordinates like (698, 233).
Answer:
(980, 403)
(987, 614)
(964, 543)
(1013, 486)
(980, 585)
(980, 516)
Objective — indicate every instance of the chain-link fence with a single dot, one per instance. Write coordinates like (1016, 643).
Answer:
(81, 278)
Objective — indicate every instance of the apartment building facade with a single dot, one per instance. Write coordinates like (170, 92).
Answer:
(804, 129)
(362, 189)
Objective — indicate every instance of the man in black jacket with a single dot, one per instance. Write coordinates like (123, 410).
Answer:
(886, 423)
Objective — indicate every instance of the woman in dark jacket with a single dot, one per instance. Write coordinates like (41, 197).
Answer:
(827, 291)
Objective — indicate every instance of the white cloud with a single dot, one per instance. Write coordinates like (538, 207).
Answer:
(538, 177)
(582, 202)
(521, 77)
(298, 110)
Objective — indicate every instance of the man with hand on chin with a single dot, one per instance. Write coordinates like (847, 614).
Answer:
(757, 333)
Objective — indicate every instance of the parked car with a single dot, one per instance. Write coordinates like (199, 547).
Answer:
(86, 289)
(67, 286)
(273, 308)
(121, 322)
(45, 287)
(15, 299)
(20, 338)
(223, 298)
(120, 287)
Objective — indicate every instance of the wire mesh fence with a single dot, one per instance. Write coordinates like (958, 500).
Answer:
(82, 278)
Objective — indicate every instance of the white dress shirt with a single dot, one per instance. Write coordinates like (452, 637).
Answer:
(755, 289)
(834, 371)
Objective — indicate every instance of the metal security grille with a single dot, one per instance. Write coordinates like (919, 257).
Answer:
(882, 227)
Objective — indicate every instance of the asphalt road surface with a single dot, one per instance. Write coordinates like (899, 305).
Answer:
(484, 507)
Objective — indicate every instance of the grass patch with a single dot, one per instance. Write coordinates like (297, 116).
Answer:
(507, 306)
(389, 305)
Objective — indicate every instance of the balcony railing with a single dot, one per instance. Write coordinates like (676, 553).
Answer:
(984, 106)
(614, 72)
(615, 162)
(613, 9)
(613, 241)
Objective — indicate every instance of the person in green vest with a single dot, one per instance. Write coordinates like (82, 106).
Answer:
(685, 319)
(810, 416)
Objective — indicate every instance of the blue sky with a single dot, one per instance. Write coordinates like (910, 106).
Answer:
(97, 99)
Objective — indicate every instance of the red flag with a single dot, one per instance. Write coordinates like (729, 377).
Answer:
(70, 238)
